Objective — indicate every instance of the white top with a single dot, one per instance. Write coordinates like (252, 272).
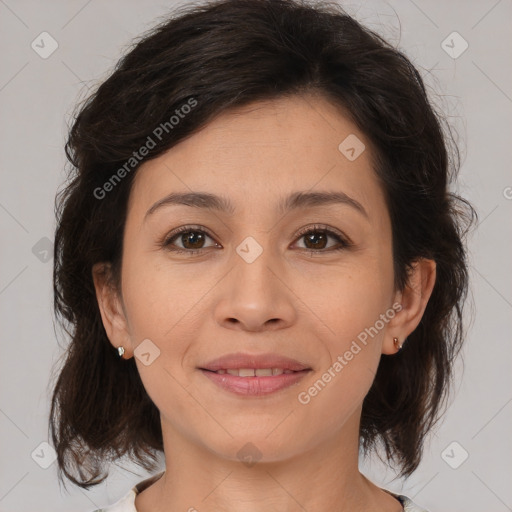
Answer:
(127, 502)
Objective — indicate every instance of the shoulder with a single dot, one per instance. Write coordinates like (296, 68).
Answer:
(125, 504)
(408, 504)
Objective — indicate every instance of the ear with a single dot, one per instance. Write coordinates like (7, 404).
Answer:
(111, 309)
(413, 299)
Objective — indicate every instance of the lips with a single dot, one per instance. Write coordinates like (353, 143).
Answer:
(254, 375)
(240, 361)
(253, 372)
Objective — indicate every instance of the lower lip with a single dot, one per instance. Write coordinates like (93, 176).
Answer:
(254, 386)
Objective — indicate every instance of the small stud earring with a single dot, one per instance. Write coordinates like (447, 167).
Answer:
(120, 350)
(397, 344)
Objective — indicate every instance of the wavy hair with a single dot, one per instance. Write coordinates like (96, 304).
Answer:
(226, 54)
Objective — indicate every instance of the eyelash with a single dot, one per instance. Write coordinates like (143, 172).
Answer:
(344, 242)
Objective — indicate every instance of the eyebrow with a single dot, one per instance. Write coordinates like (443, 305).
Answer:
(222, 204)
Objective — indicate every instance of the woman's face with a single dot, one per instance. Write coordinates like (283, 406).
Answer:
(263, 277)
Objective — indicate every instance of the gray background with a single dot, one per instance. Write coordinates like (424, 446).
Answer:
(37, 97)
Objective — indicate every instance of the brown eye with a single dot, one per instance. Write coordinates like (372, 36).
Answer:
(316, 240)
(192, 240)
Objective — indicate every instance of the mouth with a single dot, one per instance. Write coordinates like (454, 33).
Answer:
(254, 375)
(251, 372)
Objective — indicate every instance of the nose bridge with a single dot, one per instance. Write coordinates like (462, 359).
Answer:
(253, 260)
(254, 295)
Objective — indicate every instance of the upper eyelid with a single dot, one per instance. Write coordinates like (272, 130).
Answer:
(321, 227)
(186, 229)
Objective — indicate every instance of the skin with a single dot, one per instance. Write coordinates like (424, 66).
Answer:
(306, 306)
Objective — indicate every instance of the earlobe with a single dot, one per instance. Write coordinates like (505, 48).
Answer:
(112, 314)
(413, 299)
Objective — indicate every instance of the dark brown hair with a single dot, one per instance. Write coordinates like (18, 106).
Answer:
(227, 54)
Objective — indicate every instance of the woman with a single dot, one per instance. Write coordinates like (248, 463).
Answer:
(259, 263)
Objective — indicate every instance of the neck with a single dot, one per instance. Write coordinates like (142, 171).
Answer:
(324, 477)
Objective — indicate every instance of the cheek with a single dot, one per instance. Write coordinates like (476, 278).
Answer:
(164, 304)
(351, 332)
(160, 299)
(351, 299)
(334, 397)
(161, 307)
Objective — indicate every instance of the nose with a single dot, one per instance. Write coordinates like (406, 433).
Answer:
(255, 295)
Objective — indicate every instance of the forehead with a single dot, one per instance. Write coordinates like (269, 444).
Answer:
(265, 150)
